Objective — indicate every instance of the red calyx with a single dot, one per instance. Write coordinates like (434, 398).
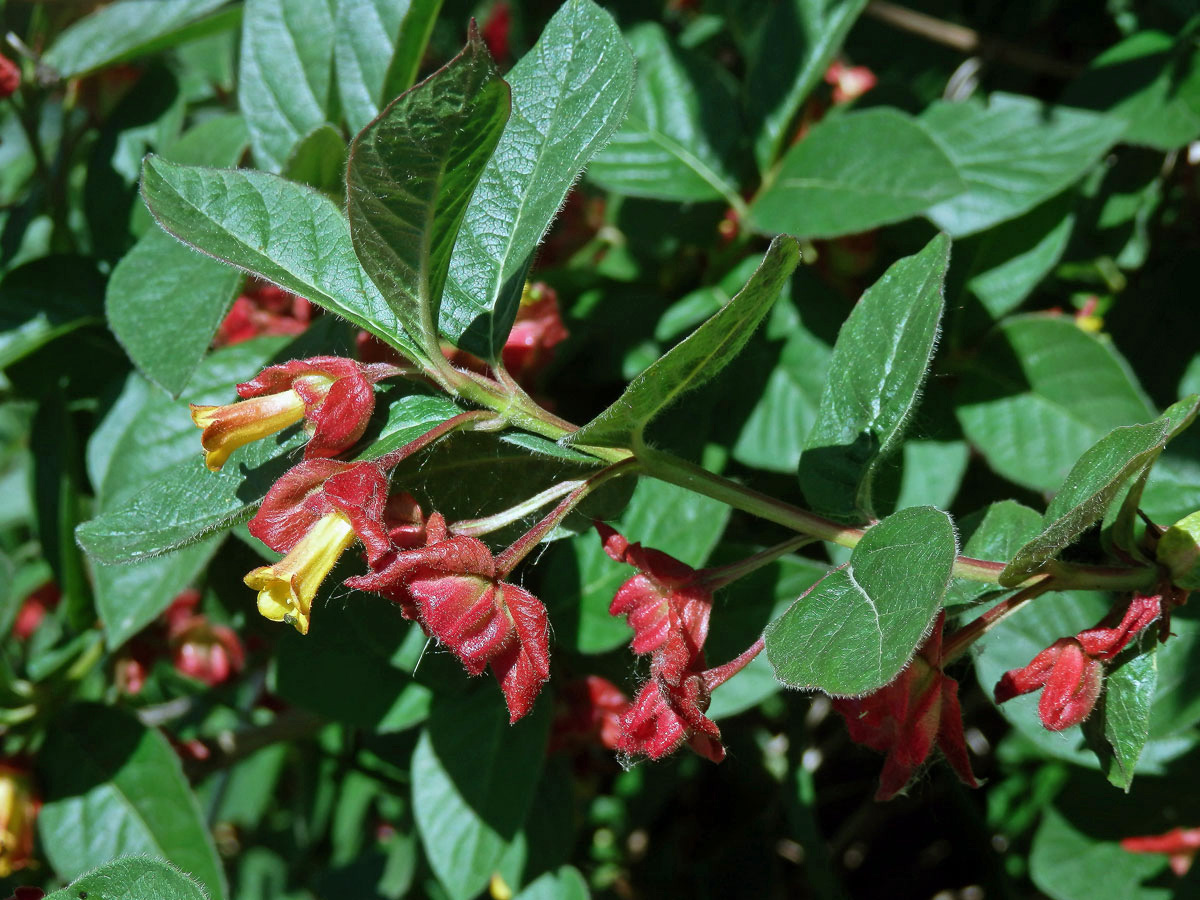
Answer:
(338, 401)
(452, 587)
(10, 77)
(34, 609)
(1070, 672)
(665, 604)
(590, 710)
(1179, 844)
(908, 717)
(664, 716)
(315, 487)
(263, 309)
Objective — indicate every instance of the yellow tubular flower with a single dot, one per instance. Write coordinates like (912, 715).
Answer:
(228, 427)
(18, 809)
(286, 589)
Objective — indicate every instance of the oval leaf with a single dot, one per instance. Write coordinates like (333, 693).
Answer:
(858, 627)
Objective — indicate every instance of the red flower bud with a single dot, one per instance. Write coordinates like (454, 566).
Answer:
(1180, 845)
(19, 805)
(665, 605)
(907, 717)
(1070, 671)
(496, 28)
(591, 710)
(207, 652)
(452, 587)
(537, 330)
(10, 77)
(132, 666)
(663, 716)
(333, 395)
(34, 609)
(263, 309)
(849, 82)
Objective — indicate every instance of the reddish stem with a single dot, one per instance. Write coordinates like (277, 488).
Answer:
(956, 645)
(714, 678)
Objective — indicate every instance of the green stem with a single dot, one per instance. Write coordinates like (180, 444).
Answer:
(508, 560)
(1066, 575)
(721, 576)
(488, 524)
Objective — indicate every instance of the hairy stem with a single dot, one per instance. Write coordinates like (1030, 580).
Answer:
(488, 524)
(958, 643)
(721, 576)
(508, 560)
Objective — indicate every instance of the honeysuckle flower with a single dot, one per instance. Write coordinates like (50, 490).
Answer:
(334, 395)
(19, 805)
(849, 82)
(207, 652)
(452, 586)
(10, 77)
(1070, 672)
(263, 309)
(666, 605)
(537, 330)
(665, 715)
(313, 514)
(908, 717)
(1179, 844)
(34, 609)
(590, 710)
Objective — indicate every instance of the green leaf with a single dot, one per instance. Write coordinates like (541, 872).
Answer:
(853, 172)
(186, 502)
(1042, 391)
(115, 788)
(135, 878)
(875, 377)
(45, 299)
(411, 174)
(680, 137)
(378, 47)
(1091, 485)
(564, 883)
(129, 29)
(130, 597)
(1122, 520)
(473, 779)
(580, 580)
(858, 627)
(1151, 81)
(795, 44)
(284, 233)
(1120, 725)
(284, 81)
(1007, 262)
(1068, 863)
(359, 647)
(695, 360)
(164, 304)
(1013, 153)
(569, 94)
(319, 161)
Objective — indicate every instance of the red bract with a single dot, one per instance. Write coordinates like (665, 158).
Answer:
(207, 652)
(664, 715)
(538, 329)
(263, 309)
(33, 610)
(591, 710)
(1070, 672)
(10, 77)
(453, 587)
(313, 514)
(665, 605)
(1179, 844)
(333, 395)
(907, 717)
(849, 82)
(496, 28)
